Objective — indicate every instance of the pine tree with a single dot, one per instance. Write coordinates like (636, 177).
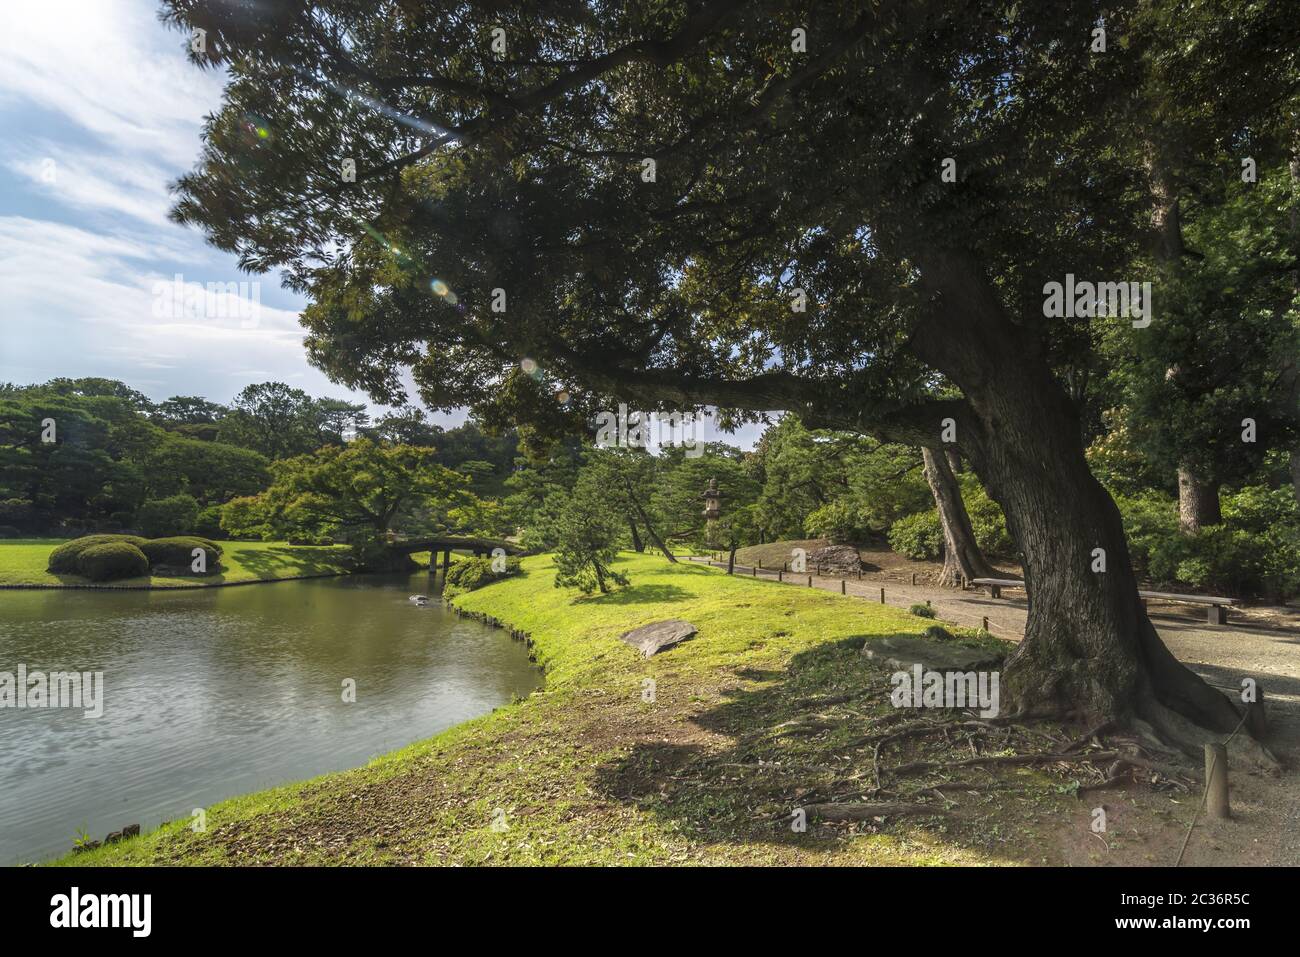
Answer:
(587, 541)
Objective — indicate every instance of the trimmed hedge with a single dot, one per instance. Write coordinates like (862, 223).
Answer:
(69, 558)
(64, 559)
(179, 551)
(473, 573)
(110, 560)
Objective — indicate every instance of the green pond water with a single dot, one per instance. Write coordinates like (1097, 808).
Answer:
(212, 693)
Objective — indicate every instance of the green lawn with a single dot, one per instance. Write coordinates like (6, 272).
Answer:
(23, 561)
(763, 710)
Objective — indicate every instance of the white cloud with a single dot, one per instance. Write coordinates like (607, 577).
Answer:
(88, 180)
(86, 303)
(86, 253)
(110, 68)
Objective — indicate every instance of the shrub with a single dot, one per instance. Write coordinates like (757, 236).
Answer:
(179, 551)
(986, 518)
(1256, 551)
(174, 515)
(922, 611)
(839, 521)
(918, 536)
(939, 633)
(208, 523)
(473, 573)
(247, 518)
(112, 560)
(1151, 526)
(64, 559)
(18, 512)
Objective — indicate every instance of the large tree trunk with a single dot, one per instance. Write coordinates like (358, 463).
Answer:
(1292, 368)
(637, 544)
(1089, 649)
(1198, 500)
(1198, 503)
(962, 557)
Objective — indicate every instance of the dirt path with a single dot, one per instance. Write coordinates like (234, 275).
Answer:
(1262, 643)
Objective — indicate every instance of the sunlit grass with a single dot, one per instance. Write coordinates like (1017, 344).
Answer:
(23, 562)
(591, 772)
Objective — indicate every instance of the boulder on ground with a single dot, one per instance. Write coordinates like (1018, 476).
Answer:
(835, 560)
(652, 639)
(897, 651)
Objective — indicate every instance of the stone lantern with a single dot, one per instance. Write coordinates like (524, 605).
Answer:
(712, 501)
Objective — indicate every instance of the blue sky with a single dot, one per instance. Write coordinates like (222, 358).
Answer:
(99, 112)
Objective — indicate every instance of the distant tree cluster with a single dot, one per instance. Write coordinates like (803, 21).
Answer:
(94, 455)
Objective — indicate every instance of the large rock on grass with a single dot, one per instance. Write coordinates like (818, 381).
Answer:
(841, 560)
(652, 639)
(897, 651)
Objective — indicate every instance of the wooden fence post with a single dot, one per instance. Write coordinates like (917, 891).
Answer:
(1216, 781)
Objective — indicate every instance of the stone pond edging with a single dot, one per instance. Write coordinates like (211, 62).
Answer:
(518, 634)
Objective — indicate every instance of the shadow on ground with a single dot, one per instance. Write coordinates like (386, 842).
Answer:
(640, 595)
(778, 740)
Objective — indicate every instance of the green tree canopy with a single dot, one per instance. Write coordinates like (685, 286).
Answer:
(688, 204)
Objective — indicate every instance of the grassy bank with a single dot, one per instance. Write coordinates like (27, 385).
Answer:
(764, 710)
(23, 562)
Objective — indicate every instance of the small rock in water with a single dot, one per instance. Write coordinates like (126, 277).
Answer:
(652, 639)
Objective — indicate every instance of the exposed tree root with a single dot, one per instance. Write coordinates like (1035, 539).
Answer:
(864, 812)
(918, 767)
(1190, 738)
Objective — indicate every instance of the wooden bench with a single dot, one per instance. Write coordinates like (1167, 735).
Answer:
(1217, 607)
(997, 584)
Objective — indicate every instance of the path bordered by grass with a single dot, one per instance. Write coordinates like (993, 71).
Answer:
(23, 562)
(756, 714)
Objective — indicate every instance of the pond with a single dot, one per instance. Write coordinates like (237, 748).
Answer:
(217, 692)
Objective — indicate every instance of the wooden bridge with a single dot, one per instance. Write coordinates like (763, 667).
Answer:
(452, 543)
